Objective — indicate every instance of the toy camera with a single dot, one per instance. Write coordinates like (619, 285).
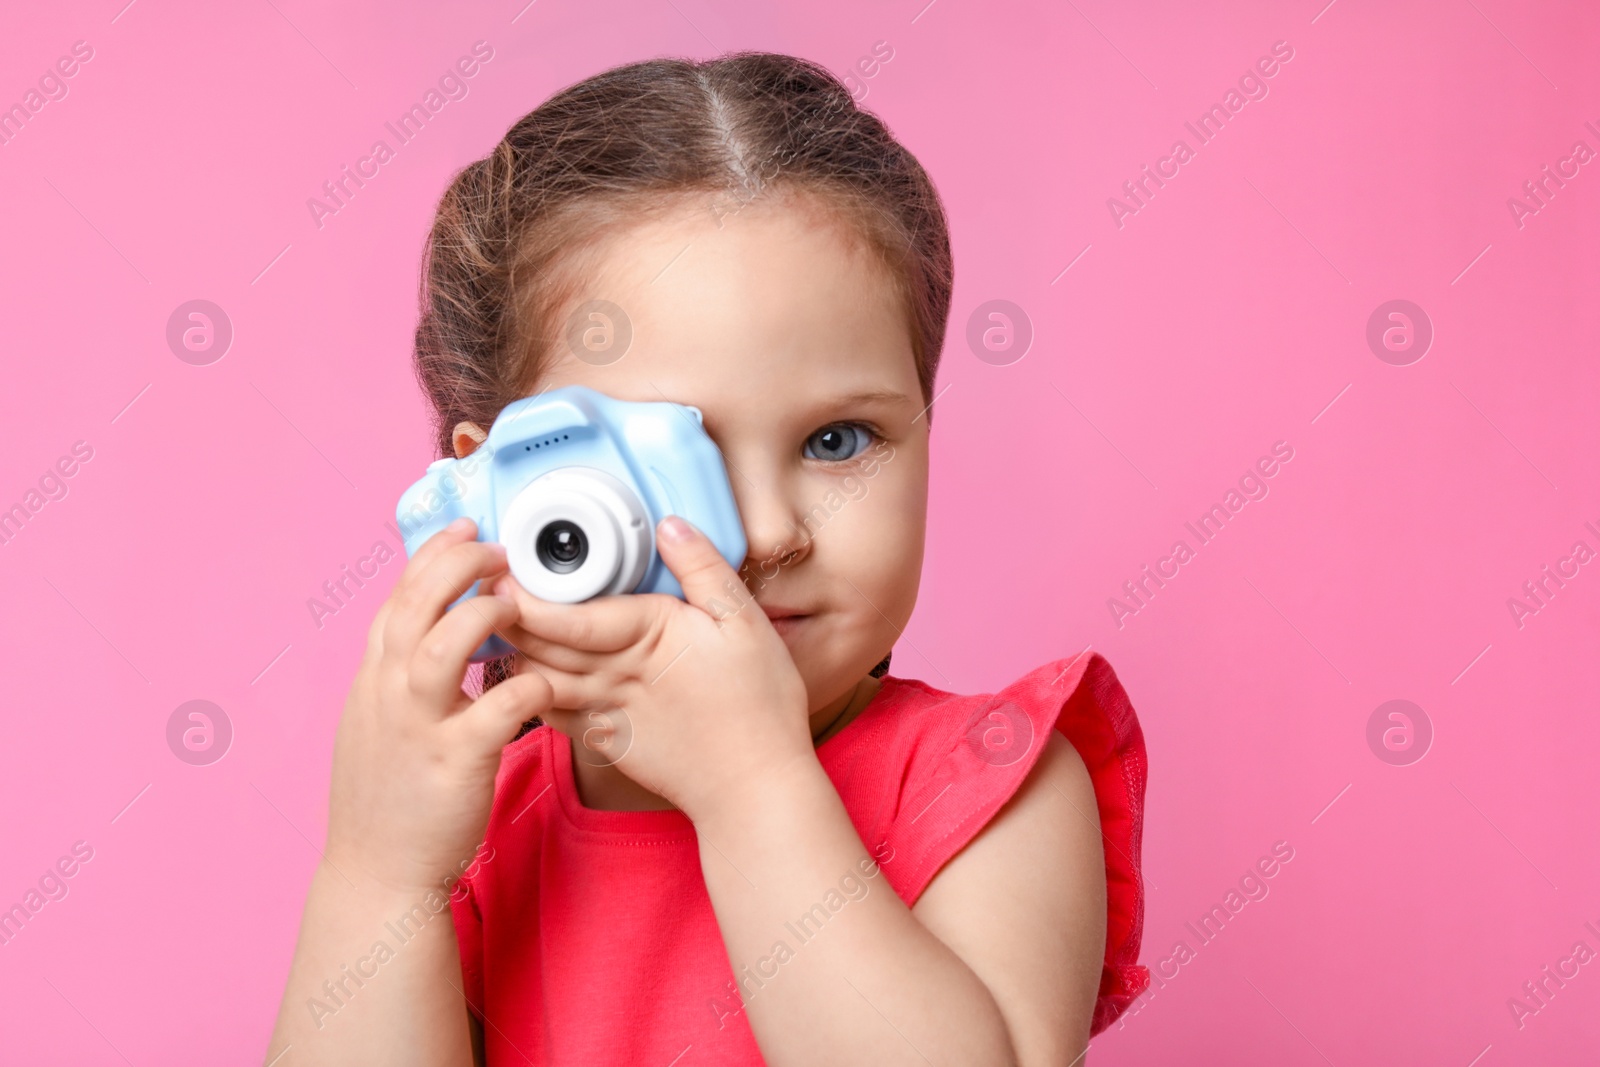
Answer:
(573, 482)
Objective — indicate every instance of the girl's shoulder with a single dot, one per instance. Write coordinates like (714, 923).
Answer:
(924, 770)
(915, 730)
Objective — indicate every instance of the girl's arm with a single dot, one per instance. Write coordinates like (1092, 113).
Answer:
(342, 1005)
(998, 963)
(1024, 904)
(376, 976)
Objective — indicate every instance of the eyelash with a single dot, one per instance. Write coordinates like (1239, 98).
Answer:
(873, 438)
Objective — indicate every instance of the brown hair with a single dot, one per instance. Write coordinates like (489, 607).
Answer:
(509, 242)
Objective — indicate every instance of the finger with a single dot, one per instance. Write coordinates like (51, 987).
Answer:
(544, 650)
(562, 720)
(422, 601)
(709, 582)
(462, 529)
(439, 663)
(380, 623)
(375, 631)
(494, 718)
(570, 688)
(604, 624)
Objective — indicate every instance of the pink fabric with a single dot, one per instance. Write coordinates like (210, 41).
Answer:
(588, 937)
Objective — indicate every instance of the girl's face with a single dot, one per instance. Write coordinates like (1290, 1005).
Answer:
(790, 340)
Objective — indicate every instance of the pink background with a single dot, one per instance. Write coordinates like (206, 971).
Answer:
(1228, 314)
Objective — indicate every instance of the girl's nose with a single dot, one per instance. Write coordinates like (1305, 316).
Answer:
(775, 535)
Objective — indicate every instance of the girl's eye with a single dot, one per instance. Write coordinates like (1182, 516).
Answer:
(839, 442)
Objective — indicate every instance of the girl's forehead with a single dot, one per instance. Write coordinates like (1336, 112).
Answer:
(793, 240)
(766, 315)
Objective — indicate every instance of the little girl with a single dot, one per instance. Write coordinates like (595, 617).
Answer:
(711, 830)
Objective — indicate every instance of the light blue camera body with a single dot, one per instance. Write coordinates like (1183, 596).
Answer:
(573, 482)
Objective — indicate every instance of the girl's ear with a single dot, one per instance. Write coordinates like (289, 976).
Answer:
(467, 436)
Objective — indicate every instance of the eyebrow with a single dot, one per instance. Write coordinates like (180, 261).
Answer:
(867, 396)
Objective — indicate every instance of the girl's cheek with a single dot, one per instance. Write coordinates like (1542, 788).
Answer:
(880, 538)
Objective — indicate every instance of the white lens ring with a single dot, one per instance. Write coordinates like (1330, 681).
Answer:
(599, 565)
(613, 522)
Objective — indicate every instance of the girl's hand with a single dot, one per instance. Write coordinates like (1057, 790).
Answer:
(711, 700)
(414, 759)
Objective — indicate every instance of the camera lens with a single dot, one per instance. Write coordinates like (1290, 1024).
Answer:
(576, 532)
(562, 547)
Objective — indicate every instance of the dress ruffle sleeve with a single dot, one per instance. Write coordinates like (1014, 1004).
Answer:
(983, 763)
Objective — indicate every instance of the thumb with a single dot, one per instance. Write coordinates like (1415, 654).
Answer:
(709, 583)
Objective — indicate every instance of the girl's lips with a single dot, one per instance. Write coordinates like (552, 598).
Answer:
(785, 624)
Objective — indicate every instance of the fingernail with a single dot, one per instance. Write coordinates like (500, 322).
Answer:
(676, 528)
(460, 524)
(502, 588)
